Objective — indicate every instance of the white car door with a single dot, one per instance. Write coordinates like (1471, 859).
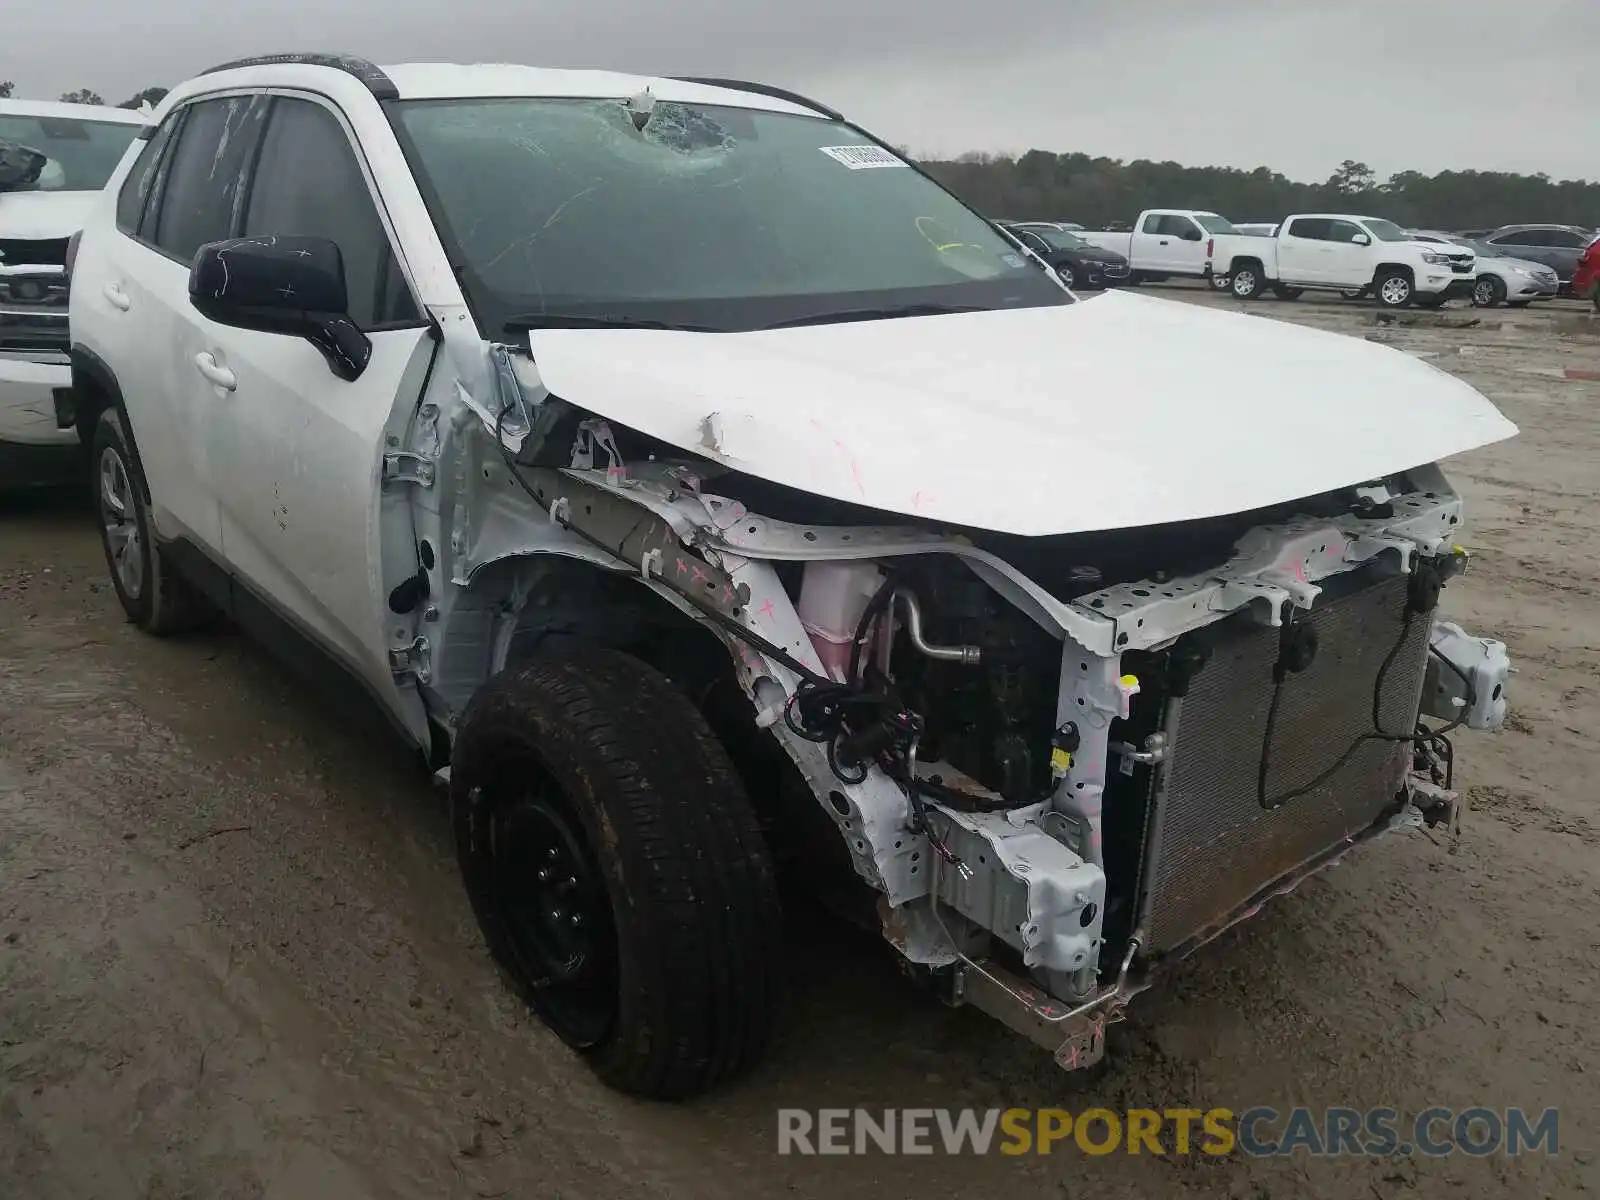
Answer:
(1150, 245)
(1347, 257)
(1187, 253)
(179, 195)
(1300, 243)
(299, 450)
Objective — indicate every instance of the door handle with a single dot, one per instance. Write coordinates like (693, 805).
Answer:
(118, 297)
(1162, 242)
(208, 366)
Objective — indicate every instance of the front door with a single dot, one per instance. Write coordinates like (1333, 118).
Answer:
(301, 450)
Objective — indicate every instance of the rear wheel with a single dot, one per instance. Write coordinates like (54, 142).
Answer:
(1247, 281)
(617, 871)
(1352, 293)
(1221, 283)
(1394, 289)
(1065, 274)
(1488, 291)
(154, 598)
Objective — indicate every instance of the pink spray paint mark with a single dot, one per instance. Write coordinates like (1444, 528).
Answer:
(855, 469)
(766, 609)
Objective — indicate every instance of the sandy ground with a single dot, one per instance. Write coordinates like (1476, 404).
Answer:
(235, 960)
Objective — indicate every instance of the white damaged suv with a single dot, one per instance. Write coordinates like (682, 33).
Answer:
(710, 495)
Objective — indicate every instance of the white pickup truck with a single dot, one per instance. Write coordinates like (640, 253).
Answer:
(1351, 254)
(1172, 241)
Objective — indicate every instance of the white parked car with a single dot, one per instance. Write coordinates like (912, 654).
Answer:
(713, 555)
(1347, 253)
(1501, 279)
(1167, 242)
(54, 159)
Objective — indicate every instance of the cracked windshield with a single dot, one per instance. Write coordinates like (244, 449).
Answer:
(703, 216)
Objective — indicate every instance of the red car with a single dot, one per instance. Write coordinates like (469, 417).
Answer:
(1586, 278)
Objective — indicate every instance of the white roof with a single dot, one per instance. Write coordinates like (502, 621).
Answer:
(440, 81)
(82, 112)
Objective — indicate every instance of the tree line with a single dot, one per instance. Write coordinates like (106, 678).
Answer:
(1107, 192)
(150, 95)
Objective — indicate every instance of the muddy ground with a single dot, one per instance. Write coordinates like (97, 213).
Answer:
(235, 959)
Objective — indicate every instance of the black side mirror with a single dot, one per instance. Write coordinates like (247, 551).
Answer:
(289, 285)
(19, 165)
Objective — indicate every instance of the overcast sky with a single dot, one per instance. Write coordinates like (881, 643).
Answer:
(1297, 85)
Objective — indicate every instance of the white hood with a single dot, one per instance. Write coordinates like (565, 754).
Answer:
(1120, 411)
(39, 215)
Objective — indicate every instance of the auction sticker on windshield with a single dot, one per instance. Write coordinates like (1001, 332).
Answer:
(862, 158)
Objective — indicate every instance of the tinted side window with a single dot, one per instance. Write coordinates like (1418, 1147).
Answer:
(309, 184)
(1342, 231)
(1522, 237)
(1154, 224)
(136, 187)
(1309, 227)
(202, 191)
(1564, 238)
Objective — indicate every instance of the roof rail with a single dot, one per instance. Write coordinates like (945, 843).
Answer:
(763, 89)
(379, 84)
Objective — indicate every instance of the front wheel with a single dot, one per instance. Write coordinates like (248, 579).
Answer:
(154, 599)
(1488, 291)
(617, 871)
(1394, 289)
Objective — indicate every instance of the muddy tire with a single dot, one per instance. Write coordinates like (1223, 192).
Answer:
(617, 871)
(1394, 289)
(154, 598)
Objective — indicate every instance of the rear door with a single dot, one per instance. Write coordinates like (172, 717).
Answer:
(1300, 244)
(302, 449)
(192, 196)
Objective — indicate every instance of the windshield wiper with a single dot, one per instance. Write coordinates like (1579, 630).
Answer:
(560, 320)
(875, 314)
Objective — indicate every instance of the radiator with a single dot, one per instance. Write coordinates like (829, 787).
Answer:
(1216, 847)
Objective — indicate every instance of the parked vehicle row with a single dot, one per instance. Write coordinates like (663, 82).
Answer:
(1345, 252)
(1165, 243)
(642, 553)
(1078, 263)
(54, 160)
(1501, 278)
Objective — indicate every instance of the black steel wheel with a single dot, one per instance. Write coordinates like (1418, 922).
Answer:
(548, 887)
(617, 870)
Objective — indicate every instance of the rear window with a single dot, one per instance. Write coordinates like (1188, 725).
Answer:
(82, 153)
